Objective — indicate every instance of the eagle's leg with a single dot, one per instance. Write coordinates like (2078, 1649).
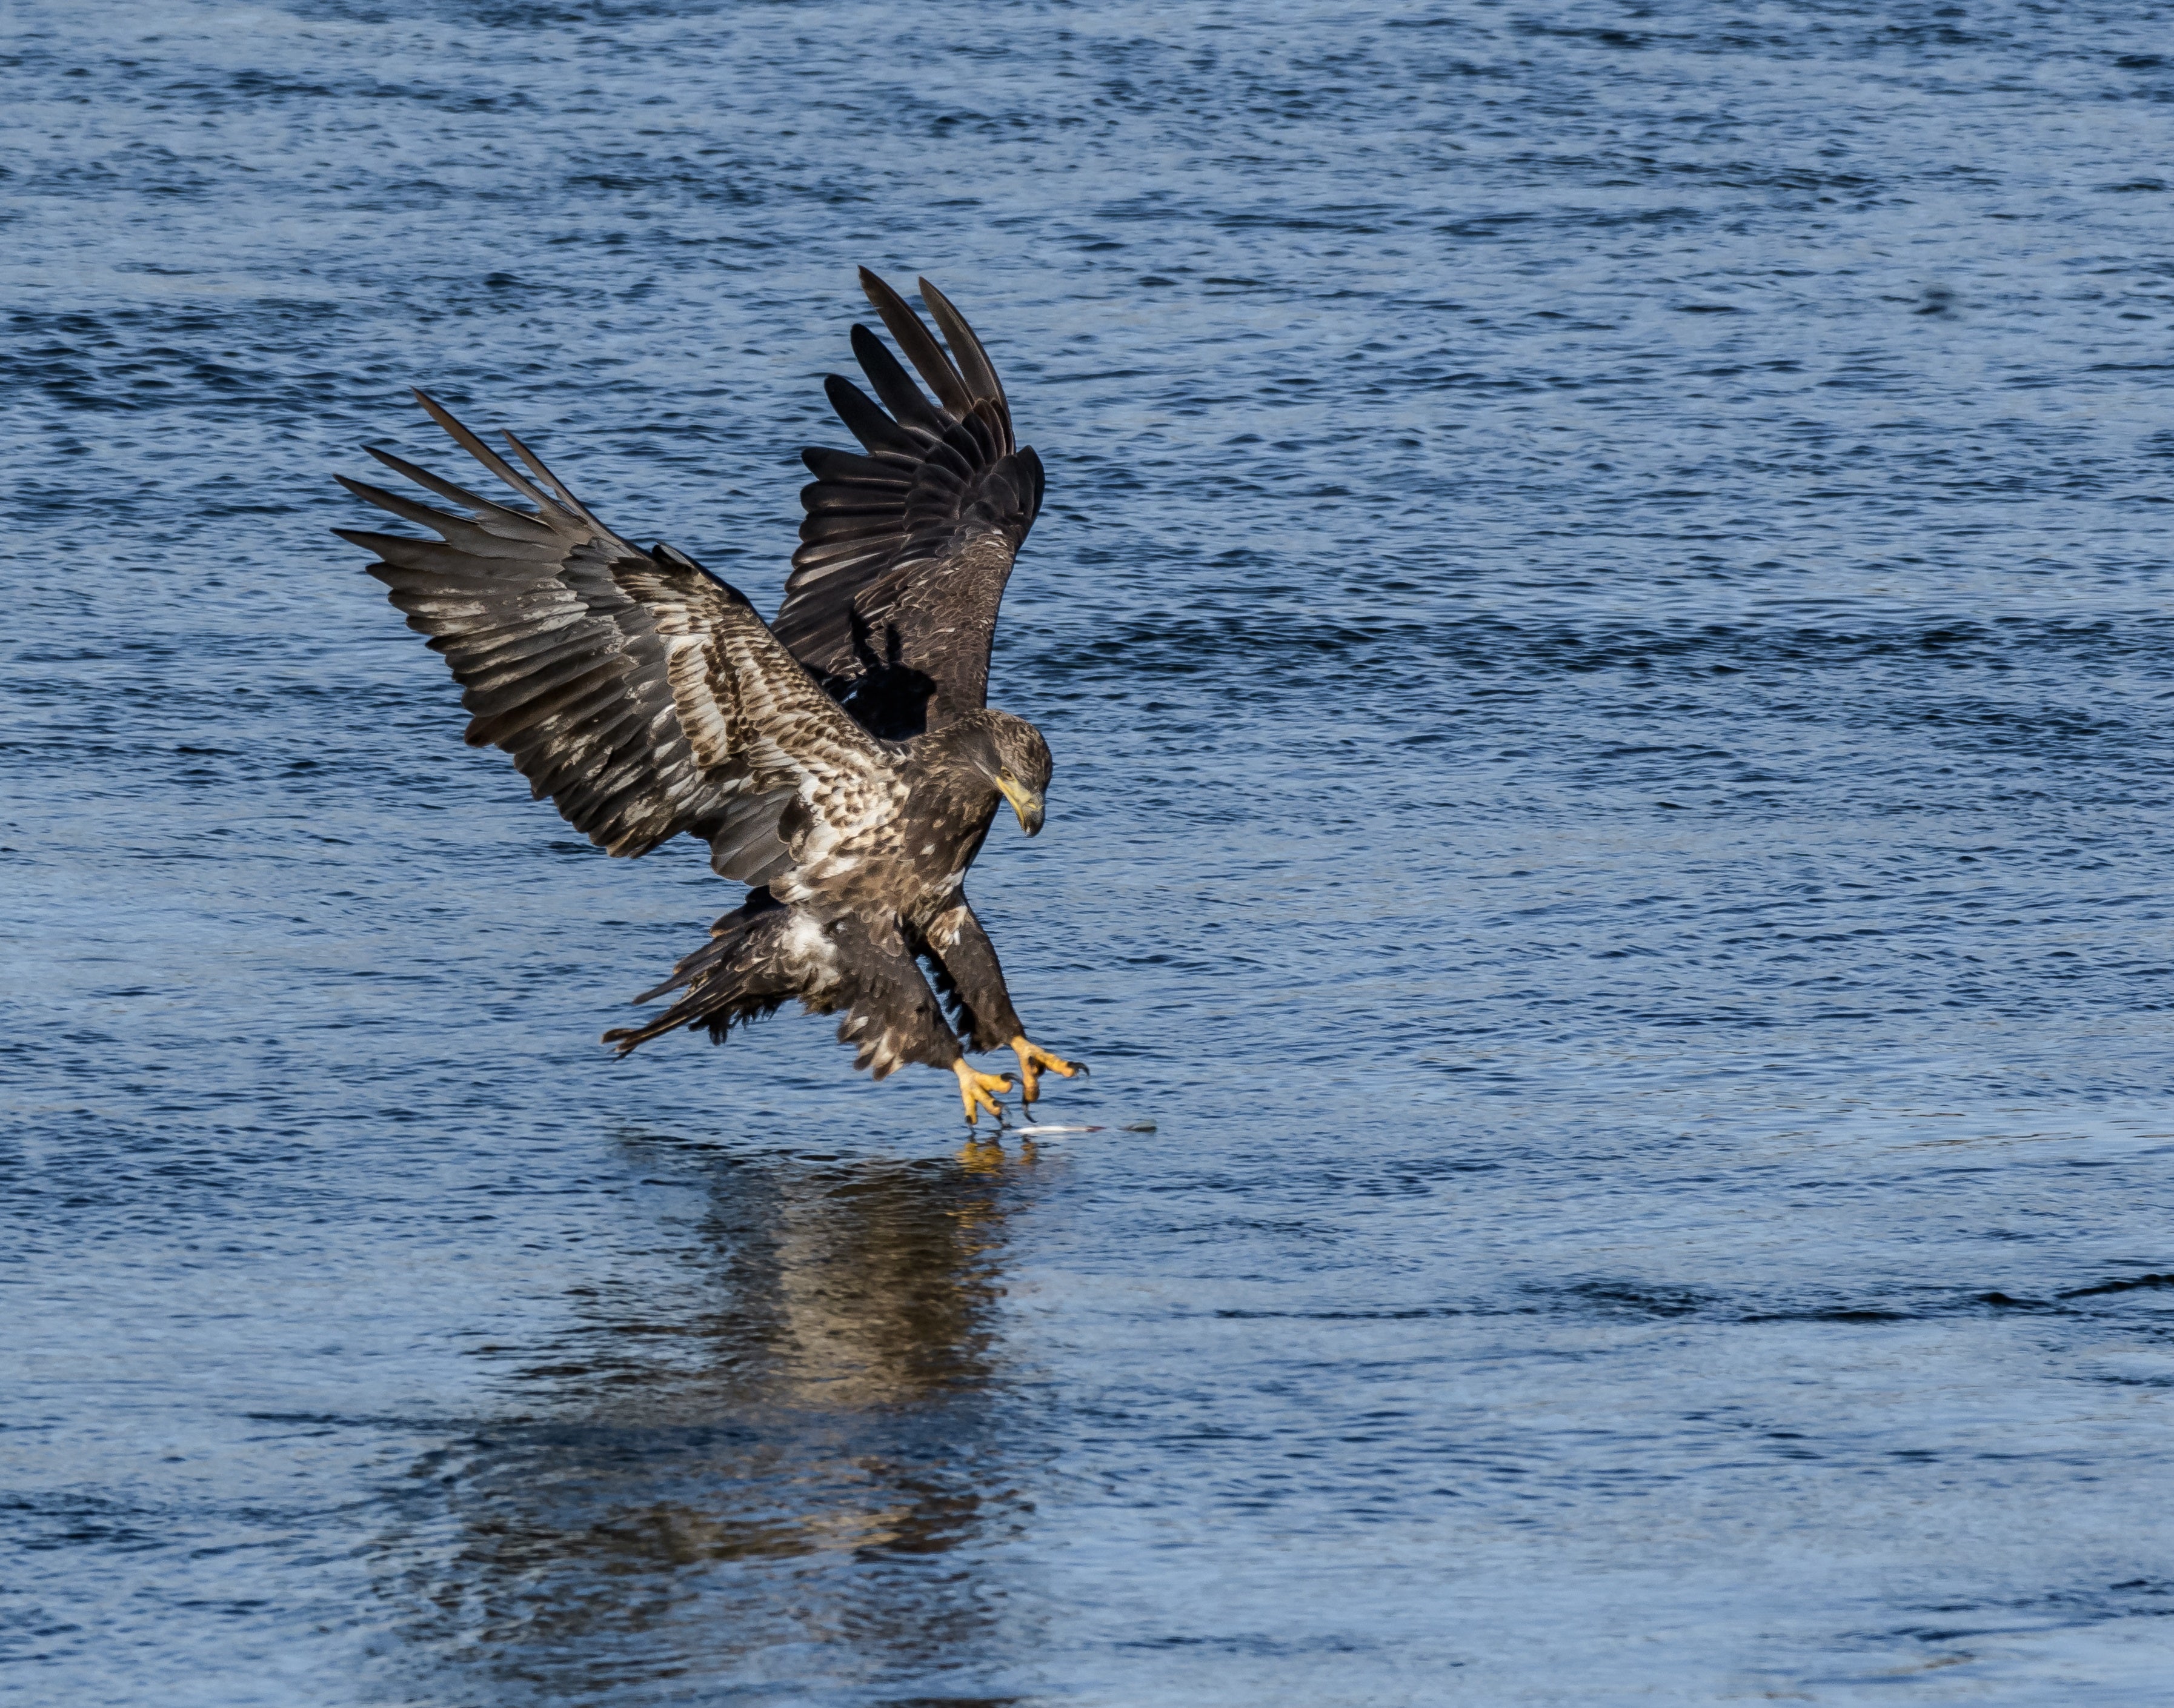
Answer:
(891, 1014)
(1033, 1059)
(971, 977)
(975, 1089)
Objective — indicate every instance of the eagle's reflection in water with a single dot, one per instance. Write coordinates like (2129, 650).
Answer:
(785, 1458)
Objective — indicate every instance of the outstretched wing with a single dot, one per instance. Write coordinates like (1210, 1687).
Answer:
(639, 692)
(906, 548)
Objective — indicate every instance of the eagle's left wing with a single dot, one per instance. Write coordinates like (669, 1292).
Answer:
(907, 544)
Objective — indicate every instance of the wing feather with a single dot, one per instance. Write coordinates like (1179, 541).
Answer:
(866, 421)
(920, 349)
(638, 692)
(975, 367)
(907, 544)
(894, 387)
(475, 538)
(848, 466)
(498, 518)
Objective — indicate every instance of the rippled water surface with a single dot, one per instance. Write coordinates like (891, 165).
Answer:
(1603, 617)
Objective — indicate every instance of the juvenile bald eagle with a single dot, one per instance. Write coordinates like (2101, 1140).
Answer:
(841, 761)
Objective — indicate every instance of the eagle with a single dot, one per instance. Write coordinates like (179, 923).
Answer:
(841, 760)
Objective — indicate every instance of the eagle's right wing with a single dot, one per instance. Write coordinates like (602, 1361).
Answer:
(641, 693)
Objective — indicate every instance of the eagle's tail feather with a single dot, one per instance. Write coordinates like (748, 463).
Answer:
(739, 976)
(765, 954)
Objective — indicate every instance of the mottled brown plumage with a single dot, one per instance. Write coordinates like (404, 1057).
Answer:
(842, 762)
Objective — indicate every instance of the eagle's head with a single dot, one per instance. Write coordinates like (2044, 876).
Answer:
(1010, 753)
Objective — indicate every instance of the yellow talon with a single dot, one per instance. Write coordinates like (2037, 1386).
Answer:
(974, 1090)
(1032, 1058)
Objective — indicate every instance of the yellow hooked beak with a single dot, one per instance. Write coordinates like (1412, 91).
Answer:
(1025, 801)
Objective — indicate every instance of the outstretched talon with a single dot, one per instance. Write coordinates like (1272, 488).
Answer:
(975, 1089)
(1032, 1059)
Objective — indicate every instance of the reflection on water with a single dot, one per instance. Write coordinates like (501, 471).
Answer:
(1614, 807)
(786, 1435)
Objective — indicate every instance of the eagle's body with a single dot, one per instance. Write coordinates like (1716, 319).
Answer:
(843, 762)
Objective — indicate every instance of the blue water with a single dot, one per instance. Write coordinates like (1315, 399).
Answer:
(1603, 615)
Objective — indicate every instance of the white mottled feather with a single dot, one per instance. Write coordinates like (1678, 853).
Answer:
(745, 703)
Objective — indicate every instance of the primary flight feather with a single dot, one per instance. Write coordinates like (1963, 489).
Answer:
(842, 761)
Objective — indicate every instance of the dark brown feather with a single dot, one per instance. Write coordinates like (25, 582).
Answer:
(904, 551)
(926, 355)
(499, 517)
